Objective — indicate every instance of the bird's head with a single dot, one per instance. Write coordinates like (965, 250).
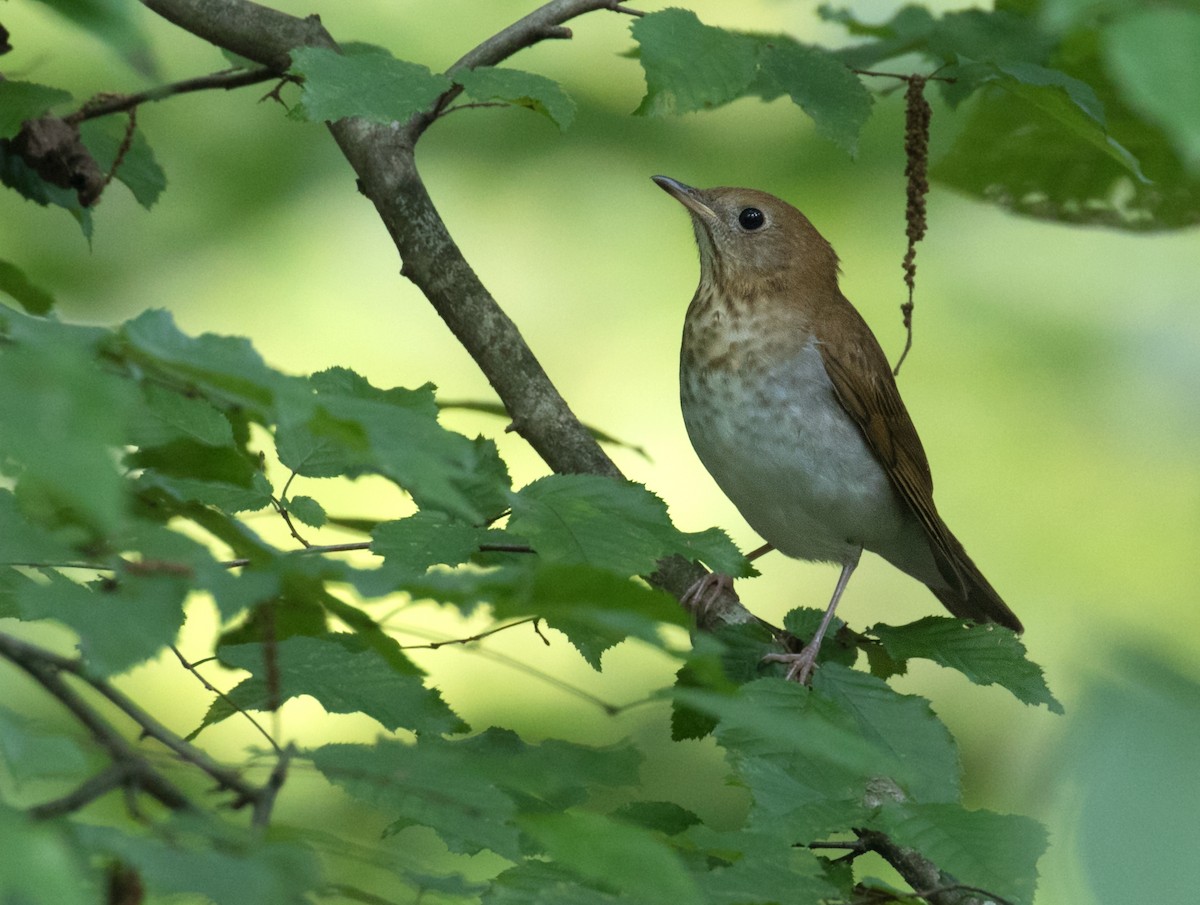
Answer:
(747, 238)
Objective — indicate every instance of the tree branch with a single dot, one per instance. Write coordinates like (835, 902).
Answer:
(133, 770)
(104, 104)
(384, 160)
(926, 878)
(47, 668)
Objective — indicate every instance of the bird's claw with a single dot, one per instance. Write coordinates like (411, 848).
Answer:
(801, 664)
(703, 594)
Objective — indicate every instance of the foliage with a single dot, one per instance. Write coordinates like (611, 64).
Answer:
(134, 457)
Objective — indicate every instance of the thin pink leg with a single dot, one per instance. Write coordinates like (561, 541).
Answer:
(802, 664)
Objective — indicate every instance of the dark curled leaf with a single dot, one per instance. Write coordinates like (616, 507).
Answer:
(52, 148)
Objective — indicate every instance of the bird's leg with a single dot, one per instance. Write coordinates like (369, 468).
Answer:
(802, 664)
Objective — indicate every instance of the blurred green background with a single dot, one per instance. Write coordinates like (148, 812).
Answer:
(1055, 380)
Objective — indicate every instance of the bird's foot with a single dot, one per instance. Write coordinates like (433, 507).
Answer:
(800, 665)
(701, 596)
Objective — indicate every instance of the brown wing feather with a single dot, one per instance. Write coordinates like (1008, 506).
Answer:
(877, 409)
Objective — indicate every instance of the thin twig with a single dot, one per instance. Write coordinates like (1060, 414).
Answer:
(104, 104)
(192, 668)
(179, 568)
(126, 144)
(434, 645)
(904, 78)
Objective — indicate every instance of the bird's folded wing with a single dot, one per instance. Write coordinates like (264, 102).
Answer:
(875, 405)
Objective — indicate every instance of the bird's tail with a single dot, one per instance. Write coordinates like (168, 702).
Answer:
(970, 595)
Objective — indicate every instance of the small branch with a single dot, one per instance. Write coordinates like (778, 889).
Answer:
(192, 668)
(434, 645)
(264, 801)
(544, 23)
(927, 880)
(47, 668)
(228, 79)
(949, 80)
(135, 770)
(116, 775)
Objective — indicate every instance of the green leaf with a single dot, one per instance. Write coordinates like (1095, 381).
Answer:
(1072, 103)
(342, 674)
(1011, 153)
(307, 510)
(994, 35)
(767, 869)
(11, 582)
(996, 852)
(32, 751)
(434, 785)
(629, 860)
(521, 89)
(1127, 761)
(920, 753)
(19, 176)
(167, 416)
(1154, 57)
(372, 85)
(545, 883)
(820, 84)
(803, 623)
(351, 428)
(985, 654)
(227, 367)
(689, 65)
(23, 541)
(781, 721)
(62, 428)
(594, 608)
(20, 101)
(14, 283)
(662, 816)
(139, 170)
(552, 774)
(120, 623)
(614, 525)
(42, 865)
(814, 759)
(425, 539)
(224, 495)
(205, 859)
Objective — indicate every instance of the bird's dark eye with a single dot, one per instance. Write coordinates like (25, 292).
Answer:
(751, 218)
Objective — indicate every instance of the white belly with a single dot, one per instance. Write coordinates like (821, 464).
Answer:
(796, 466)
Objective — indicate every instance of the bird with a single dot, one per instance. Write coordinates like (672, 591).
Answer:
(791, 406)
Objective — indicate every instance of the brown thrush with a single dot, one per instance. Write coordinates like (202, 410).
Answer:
(792, 408)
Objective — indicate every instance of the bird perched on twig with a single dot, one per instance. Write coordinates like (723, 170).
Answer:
(792, 408)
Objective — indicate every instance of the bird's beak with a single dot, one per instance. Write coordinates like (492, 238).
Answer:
(685, 195)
